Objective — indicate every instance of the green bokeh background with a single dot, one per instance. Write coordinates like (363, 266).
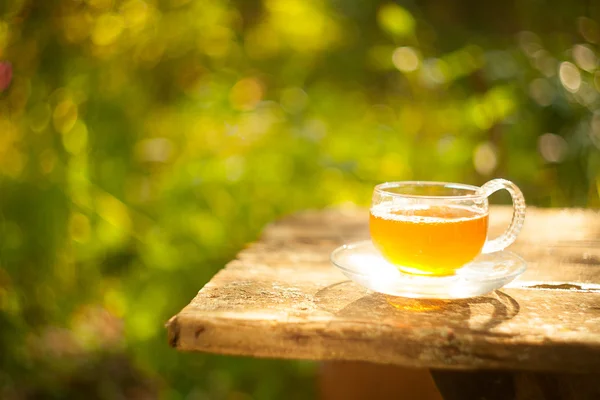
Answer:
(144, 142)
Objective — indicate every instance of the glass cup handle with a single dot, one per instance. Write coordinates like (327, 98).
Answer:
(518, 217)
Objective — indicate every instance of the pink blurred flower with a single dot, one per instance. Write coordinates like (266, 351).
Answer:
(5, 75)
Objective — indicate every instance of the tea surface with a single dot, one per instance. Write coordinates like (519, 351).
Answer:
(429, 240)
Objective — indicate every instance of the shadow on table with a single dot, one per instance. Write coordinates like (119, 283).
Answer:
(348, 300)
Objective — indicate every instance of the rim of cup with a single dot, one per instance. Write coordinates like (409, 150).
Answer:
(383, 188)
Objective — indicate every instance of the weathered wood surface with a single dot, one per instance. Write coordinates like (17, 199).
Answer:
(281, 298)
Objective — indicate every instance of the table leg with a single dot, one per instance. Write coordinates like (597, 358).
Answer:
(501, 385)
(350, 380)
(474, 385)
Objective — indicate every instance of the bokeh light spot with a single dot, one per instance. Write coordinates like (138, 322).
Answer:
(589, 29)
(542, 92)
(585, 57)
(39, 117)
(107, 29)
(135, 13)
(485, 159)
(501, 64)
(294, 100)
(406, 59)
(79, 227)
(65, 116)
(586, 95)
(544, 62)
(392, 166)
(552, 147)
(234, 168)
(262, 42)
(113, 211)
(13, 163)
(246, 94)
(434, 72)
(529, 42)
(75, 140)
(157, 150)
(150, 51)
(47, 161)
(312, 28)
(115, 302)
(396, 20)
(481, 116)
(77, 27)
(216, 42)
(570, 77)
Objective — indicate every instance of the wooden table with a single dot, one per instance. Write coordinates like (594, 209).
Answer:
(538, 338)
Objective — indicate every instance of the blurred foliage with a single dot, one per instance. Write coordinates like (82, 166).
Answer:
(144, 142)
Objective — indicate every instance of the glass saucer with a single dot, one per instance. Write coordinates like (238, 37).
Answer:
(362, 263)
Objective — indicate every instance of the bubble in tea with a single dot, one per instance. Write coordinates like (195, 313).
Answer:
(428, 240)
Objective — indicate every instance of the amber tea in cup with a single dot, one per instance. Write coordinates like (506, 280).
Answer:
(435, 228)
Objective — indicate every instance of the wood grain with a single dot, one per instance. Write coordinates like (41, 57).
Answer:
(281, 298)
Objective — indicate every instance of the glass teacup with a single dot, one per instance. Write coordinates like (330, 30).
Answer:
(435, 228)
